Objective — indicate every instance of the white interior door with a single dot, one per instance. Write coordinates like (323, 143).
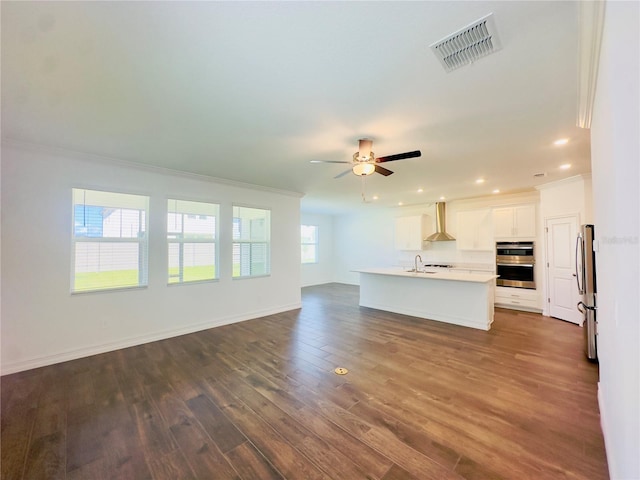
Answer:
(563, 291)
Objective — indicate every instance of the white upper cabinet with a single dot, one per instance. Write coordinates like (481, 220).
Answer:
(410, 232)
(474, 230)
(503, 222)
(514, 222)
(525, 220)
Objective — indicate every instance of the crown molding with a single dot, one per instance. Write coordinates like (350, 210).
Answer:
(591, 19)
(565, 181)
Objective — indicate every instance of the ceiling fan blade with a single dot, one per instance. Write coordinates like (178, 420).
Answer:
(343, 173)
(327, 161)
(399, 156)
(383, 171)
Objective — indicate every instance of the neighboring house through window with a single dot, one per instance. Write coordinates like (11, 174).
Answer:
(191, 238)
(109, 241)
(251, 242)
(309, 243)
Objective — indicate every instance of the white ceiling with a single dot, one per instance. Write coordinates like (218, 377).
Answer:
(253, 91)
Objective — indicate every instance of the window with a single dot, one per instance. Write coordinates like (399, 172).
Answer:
(109, 240)
(309, 243)
(251, 236)
(191, 237)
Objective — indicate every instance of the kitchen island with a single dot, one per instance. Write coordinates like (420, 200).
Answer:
(453, 297)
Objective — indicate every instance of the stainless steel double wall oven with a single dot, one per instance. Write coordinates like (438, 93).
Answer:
(515, 263)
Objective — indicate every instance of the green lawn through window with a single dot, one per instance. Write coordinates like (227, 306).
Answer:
(193, 274)
(87, 281)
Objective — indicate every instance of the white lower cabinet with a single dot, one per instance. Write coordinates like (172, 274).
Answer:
(518, 299)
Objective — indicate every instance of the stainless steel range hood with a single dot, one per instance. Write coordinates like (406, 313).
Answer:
(441, 234)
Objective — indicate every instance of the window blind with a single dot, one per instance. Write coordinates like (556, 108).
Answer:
(251, 241)
(110, 241)
(309, 243)
(191, 237)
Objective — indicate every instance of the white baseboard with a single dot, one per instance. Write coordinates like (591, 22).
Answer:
(608, 443)
(43, 361)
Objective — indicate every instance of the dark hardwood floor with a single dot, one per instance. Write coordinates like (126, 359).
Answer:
(260, 400)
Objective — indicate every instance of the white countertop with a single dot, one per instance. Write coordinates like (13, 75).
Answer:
(479, 267)
(448, 275)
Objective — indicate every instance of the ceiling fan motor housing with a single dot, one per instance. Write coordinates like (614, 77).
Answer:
(364, 153)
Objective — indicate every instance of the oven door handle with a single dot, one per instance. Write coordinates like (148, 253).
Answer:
(514, 264)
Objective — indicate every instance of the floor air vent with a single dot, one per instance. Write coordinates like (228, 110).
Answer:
(468, 44)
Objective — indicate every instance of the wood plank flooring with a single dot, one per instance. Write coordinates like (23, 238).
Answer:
(259, 400)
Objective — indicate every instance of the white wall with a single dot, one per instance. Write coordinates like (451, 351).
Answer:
(322, 271)
(42, 323)
(566, 197)
(588, 199)
(362, 240)
(616, 182)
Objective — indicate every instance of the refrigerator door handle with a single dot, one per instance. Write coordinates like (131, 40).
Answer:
(579, 254)
(583, 307)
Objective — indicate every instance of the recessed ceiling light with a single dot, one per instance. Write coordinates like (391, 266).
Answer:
(375, 197)
(565, 166)
(442, 198)
(496, 191)
(420, 190)
(561, 141)
(479, 181)
(400, 204)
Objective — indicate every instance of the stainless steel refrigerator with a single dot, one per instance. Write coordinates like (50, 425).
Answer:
(586, 278)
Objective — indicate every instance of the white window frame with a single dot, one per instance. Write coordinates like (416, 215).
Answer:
(117, 201)
(188, 209)
(314, 243)
(247, 240)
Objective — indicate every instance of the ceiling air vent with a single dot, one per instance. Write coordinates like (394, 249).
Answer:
(468, 44)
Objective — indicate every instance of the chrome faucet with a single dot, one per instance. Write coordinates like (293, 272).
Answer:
(415, 263)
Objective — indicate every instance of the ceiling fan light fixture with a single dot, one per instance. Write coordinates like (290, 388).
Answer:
(364, 169)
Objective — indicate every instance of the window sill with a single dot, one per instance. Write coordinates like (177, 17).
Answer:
(109, 290)
(247, 277)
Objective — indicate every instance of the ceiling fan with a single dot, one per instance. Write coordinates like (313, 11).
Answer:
(365, 163)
